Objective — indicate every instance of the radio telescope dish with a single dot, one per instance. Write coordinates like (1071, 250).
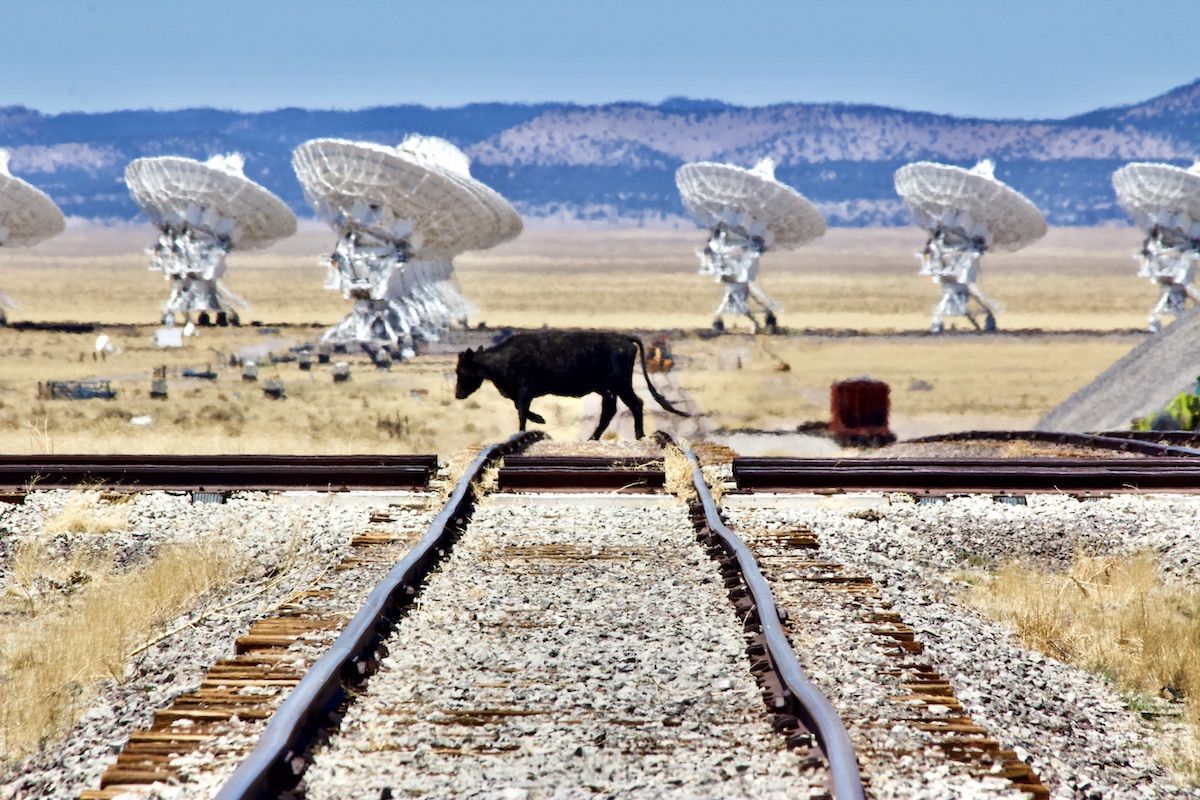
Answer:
(27, 216)
(966, 212)
(203, 211)
(747, 212)
(1164, 201)
(401, 214)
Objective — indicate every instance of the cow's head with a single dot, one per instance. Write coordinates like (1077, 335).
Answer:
(469, 376)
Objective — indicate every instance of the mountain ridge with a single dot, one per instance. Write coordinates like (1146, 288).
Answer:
(615, 162)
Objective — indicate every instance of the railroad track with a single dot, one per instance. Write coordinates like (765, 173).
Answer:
(914, 705)
(534, 566)
(266, 667)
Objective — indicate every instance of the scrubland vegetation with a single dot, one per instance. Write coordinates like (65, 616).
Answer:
(849, 283)
(1120, 617)
(69, 616)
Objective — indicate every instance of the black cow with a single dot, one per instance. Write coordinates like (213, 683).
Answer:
(565, 363)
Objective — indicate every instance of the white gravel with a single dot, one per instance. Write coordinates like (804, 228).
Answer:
(1072, 727)
(611, 624)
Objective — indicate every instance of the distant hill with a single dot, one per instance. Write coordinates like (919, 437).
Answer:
(615, 163)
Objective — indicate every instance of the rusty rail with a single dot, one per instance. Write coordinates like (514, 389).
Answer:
(207, 473)
(269, 768)
(1125, 441)
(976, 475)
(789, 691)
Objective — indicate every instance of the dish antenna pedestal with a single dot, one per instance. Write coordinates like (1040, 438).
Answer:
(954, 265)
(966, 213)
(1164, 201)
(747, 212)
(27, 216)
(203, 211)
(731, 254)
(193, 260)
(361, 267)
(401, 215)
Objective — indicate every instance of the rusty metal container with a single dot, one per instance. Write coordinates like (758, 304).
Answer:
(860, 413)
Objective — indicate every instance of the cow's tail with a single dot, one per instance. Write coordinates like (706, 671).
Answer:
(662, 401)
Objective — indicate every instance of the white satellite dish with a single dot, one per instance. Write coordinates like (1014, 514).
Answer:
(966, 212)
(401, 215)
(747, 212)
(27, 216)
(203, 211)
(1164, 201)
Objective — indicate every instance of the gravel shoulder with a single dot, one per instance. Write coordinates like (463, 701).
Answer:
(291, 540)
(1071, 726)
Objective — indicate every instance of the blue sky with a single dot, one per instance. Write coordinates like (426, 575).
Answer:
(986, 58)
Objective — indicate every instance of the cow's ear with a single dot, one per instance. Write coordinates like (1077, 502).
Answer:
(466, 356)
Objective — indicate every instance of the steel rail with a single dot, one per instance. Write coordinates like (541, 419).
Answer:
(806, 700)
(1177, 438)
(1106, 441)
(968, 474)
(20, 474)
(269, 766)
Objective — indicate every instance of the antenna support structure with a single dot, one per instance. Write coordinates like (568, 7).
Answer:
(952, 260)
(401, 214)
(747, 212)
(1164, 201)
(193, 260)
(203, 211)
(966, 212)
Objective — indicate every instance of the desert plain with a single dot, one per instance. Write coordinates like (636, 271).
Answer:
(854, 305)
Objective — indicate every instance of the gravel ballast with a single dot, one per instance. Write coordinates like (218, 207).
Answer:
(1072, 727)
(565, 650)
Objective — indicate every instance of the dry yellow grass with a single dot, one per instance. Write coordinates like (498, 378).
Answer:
(1118, 616)
(49, 662)
(859, 281)
(86, 512)
(678, 472)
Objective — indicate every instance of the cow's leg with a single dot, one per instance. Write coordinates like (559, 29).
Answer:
(630, 398)
(608, 410)
(521, 401)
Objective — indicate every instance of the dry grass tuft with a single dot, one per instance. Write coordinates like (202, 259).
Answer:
(38, 578)
(49, 664)
(488, 480)
(677, 469)
(452, 469)
(1117, 616)
(86, 511)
